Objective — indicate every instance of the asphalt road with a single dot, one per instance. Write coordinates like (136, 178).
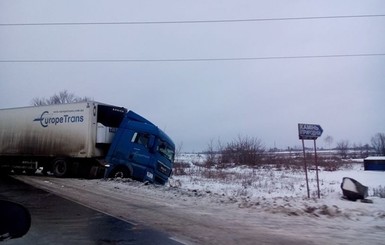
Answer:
(59, 221)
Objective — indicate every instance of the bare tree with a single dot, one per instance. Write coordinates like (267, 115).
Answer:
(213, 154)
(178, 150)
(343, 148)
(62, 98)
(363, 150)
(210, 154)
(378, 143)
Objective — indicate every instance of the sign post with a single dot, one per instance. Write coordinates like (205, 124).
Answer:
(310, 132)
(304, 160)
(316, 169)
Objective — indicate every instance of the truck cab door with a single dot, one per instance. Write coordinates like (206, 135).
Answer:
(140, 155)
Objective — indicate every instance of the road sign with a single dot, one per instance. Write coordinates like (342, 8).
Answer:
(309, 131)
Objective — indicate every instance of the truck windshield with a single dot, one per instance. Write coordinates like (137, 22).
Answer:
(166, 150)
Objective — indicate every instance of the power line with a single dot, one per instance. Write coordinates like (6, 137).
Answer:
(189, 59)
(193, 21)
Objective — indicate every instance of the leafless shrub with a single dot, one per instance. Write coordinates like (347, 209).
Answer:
(249, 151)
(242, 192)
(217, 174)
(343, 148)
(330, 164)
(180, 168)
(211, 155)
(243, 151)
(379, 192)
(283, 161)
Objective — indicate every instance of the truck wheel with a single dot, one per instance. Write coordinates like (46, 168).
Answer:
(60, 168)
(120, 173)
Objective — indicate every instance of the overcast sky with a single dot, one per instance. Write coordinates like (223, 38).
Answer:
(196, 101)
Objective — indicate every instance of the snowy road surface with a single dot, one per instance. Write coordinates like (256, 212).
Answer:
(58, 221)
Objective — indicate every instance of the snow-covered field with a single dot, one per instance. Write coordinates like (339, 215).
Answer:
(239, 205)
(284, 191)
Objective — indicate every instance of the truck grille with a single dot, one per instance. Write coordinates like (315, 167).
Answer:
(163, 169)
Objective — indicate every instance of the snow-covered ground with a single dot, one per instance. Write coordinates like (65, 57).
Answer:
(284, 191)
(239, 205)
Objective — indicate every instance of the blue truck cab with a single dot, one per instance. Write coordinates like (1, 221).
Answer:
(140, 150)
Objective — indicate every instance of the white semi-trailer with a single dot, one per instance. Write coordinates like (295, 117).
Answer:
(87, 138)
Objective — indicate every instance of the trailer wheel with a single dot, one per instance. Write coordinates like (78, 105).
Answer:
(120, 172)
(60, 168)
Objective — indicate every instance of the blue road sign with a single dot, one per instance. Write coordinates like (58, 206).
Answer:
(309, 131)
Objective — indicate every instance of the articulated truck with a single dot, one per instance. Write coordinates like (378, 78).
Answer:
(89, 139)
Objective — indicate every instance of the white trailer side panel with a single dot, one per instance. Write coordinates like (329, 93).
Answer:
(56, 130)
